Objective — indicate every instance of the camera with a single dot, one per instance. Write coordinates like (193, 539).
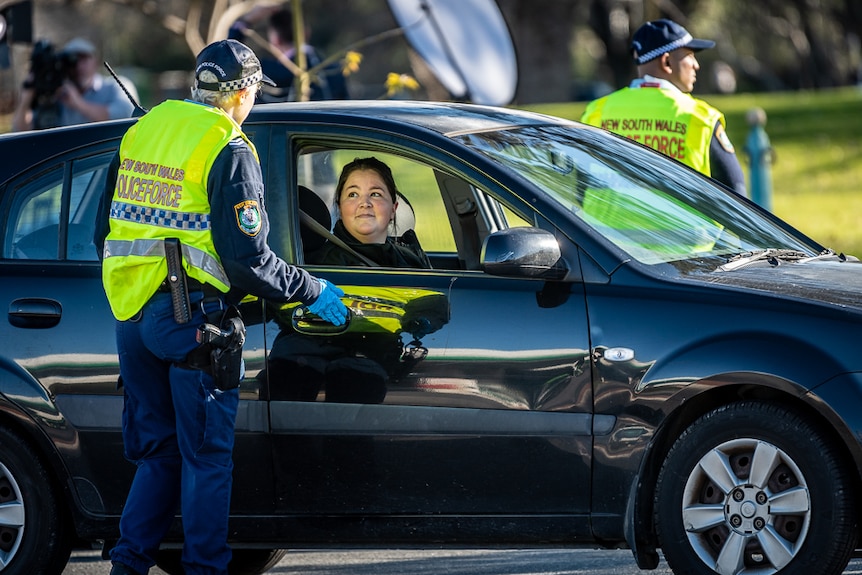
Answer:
(49, 69)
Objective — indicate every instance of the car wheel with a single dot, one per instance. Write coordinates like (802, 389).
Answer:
(754, 488)
(35, 532)
(243, 561)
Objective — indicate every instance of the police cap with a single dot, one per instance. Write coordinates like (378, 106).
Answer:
(659, 37)
(228, 65)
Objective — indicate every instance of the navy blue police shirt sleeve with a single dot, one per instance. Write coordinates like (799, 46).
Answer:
(240, 227)
(723, 163)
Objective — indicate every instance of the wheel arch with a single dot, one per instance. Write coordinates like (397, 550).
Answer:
(17, 388)
(640, 526)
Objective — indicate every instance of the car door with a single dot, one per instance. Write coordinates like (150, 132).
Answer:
(59, 357)
(59, 329)
(451, 392)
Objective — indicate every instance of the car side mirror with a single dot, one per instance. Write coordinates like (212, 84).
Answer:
(523, 252)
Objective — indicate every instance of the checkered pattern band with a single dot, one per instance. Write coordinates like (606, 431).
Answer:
(159, 217)
(684, 41)
(232, 85)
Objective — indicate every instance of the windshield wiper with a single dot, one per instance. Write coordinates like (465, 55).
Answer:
(772, 256)
(825, 254)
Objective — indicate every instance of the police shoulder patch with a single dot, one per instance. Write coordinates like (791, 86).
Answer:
(248, 217)
(723, 139)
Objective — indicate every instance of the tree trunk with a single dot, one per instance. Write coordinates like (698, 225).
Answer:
(542, 33)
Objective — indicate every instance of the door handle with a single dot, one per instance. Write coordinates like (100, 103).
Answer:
(38, 313)
(303, 321)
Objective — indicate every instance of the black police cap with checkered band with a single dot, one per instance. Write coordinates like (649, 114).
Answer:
(228, 65)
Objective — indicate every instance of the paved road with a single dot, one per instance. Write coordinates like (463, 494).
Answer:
(421, 562)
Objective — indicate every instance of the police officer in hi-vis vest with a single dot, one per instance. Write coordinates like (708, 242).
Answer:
(186, 239)
(658, 110)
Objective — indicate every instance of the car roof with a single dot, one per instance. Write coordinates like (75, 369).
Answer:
(444, 118)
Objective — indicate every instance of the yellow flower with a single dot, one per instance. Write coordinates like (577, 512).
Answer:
(396, 83)
(350, 63)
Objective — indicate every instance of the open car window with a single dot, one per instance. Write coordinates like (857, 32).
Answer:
(423, 208)
(449, 216)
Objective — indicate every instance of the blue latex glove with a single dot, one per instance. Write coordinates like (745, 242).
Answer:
(327, 305)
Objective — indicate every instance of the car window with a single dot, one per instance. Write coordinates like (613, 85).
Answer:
(31, 232)
(420, 206)
(39, 204)
(654, 209)
(449, 215)
(88, 184)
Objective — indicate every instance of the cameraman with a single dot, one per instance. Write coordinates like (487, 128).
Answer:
(83, 96)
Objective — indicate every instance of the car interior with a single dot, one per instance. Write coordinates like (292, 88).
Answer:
(450, 216)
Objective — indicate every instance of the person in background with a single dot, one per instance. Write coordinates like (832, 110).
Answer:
(179, 414)
(658, 110)
(328, 84)
(84, 96)
(367, 198)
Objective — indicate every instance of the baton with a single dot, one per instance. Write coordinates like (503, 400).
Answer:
(177, 281)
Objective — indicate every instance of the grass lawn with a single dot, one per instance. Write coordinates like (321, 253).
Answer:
(817, 138)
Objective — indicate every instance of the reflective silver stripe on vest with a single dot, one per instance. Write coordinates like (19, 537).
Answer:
(159, 217)
(148, 248)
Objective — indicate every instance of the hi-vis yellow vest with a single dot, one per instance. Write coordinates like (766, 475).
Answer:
(165, 159)
(669, 121)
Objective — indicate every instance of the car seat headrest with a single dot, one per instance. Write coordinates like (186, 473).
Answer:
(314, 206)
(405, 218)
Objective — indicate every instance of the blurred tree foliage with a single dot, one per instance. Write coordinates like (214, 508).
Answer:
(567, 49)
(766, 45)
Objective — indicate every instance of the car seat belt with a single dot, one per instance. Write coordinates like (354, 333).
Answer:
(320, 229)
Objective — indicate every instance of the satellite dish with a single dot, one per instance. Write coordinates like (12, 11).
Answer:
(465, 43)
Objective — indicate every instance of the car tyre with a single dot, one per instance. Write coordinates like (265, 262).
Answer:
(35, 531)
(754, 487)
(243, 561)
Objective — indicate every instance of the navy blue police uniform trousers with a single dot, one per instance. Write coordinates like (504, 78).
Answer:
(178, 429)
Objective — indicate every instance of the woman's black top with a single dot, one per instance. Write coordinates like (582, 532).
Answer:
(400, 252)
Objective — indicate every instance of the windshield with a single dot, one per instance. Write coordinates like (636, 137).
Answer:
(650, 207)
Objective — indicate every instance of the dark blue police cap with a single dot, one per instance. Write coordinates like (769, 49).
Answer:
(662, 36)
(228, 65)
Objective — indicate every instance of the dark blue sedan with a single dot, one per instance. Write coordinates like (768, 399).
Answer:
(609, 350)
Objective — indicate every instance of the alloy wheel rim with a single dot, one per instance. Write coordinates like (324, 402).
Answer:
(12, 516)
(746, 508)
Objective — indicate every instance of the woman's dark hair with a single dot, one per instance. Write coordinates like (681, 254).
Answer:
(370, 163)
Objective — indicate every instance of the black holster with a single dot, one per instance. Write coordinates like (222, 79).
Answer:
(219, 352)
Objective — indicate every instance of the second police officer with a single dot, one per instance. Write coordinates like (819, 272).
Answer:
(658, 110)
